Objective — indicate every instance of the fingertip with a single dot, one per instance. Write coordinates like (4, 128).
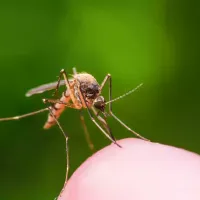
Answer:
(116, 173)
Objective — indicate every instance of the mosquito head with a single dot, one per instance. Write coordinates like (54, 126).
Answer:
(91, 91)
(99, 103)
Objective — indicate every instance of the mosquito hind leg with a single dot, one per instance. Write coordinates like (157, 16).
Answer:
(23, 116)
(86, 133)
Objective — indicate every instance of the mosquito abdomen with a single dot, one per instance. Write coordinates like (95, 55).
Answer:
(57, 110)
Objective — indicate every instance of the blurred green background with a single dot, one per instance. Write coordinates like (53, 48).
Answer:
(155, 42)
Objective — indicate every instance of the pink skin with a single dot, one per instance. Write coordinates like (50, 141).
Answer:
(139, 170)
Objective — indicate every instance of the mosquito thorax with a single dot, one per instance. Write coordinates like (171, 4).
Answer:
(89, 87)
(99, 103)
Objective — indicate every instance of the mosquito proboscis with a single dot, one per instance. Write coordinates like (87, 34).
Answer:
(82, 92)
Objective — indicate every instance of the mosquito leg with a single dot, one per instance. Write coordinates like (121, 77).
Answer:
(104, 123)
(128, 128)
(114, 116)
(108, 76)
(54, 101)
(67, 149)
(94, 121)
(106, 134)
(58, 84)
(57, 122)
(70, 87)
(23, 116)
(64, 74)
(86, 133)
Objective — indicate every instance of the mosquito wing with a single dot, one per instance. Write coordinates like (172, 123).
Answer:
(45, 87)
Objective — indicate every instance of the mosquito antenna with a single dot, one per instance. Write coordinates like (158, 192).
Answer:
(122, 96)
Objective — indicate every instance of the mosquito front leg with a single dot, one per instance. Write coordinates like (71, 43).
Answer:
(104, 123)
(102, 130)
(94, 121)
(108, 77)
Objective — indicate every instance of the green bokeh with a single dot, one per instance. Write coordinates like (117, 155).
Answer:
(155, 42)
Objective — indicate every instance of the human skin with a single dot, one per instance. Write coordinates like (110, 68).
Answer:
(140, 170)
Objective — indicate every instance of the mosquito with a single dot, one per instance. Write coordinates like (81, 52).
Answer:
(82, 92)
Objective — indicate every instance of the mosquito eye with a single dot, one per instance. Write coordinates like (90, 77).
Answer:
(99, 103)
(93, 88)
(89, 90)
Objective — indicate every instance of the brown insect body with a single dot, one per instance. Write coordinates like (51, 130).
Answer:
(90, 89)
(57, 110)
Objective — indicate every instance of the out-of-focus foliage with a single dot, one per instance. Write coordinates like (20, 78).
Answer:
(155, 42)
